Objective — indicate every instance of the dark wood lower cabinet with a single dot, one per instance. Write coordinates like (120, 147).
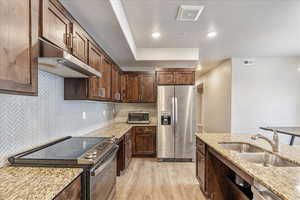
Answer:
(216, 176)
(124, 153)
(128, 148)
(144, 141)
(72, 192)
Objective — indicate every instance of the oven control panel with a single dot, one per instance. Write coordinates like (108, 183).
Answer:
(96, 153)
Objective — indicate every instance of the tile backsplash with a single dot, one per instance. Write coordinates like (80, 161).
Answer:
(29, 121)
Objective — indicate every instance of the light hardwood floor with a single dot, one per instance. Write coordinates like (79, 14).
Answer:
(147, 179)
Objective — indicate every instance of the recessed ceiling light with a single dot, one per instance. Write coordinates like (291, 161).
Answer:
(156, 35)
(212, 34)
(299, 69)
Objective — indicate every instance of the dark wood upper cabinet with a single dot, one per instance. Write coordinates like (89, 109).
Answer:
(148, 88)
(105, 80)
(19, 46)
(115, 83)
(79, 43)
(56, 26)
(138, 87)
(132, 94)
(144, 141)
(95, 61)
(184, 78)
(165, 78)
(123, 87)
(175, 76)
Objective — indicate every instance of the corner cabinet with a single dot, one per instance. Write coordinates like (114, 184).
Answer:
(175, 76)
(138, 87)
(19, 46)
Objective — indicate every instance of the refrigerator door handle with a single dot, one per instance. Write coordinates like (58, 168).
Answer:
(173, 110)
(176, 110)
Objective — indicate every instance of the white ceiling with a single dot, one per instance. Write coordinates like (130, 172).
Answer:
(246, 28)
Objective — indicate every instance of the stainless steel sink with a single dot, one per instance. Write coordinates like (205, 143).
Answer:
(266, 159)
(241, 147)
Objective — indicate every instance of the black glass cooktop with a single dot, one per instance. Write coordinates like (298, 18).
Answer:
(69, 149)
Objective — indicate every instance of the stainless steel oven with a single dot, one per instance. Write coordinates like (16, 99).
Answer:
(103, 179)
(97, 157)
(138, 118)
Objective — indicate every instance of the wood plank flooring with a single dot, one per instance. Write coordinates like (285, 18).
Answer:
(147, 179)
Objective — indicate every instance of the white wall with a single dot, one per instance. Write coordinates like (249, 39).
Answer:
(265, 94)
(216, 98)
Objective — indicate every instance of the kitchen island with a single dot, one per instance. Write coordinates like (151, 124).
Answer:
(216, 166)
(38, 183)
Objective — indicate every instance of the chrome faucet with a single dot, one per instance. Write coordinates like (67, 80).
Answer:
(274, 143)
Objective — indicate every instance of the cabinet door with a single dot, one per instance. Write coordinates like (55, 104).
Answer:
(132, 88)
(165, 78)
(184, 78)
(148, 88)
(128, 149)
(72, 192)
(55, 26)
(115, 81)
(19, 46)
(79, 43)
(123, 87)
(105, 80)
(144, 141)
(200, 169)
(94, 60)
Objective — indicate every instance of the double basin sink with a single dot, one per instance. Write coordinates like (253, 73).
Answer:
(256, 155)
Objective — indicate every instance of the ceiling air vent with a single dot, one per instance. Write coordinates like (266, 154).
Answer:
(189, 13)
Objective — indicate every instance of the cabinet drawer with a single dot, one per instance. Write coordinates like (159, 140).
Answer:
(149, 129)
(145, 129)
(200, 146)
(139, 130)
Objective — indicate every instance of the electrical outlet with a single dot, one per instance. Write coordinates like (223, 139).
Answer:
(83, 115)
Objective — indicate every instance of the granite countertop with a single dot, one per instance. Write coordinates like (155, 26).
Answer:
(117, 130)
(34, 183)
(41, 183)
(282, 181)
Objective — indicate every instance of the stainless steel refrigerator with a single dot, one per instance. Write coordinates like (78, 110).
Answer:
(176, 123)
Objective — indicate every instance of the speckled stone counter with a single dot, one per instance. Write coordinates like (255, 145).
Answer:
(282, 181)
(27, 183)
(115, 129)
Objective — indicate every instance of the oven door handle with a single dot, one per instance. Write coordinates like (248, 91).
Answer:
(98, 169)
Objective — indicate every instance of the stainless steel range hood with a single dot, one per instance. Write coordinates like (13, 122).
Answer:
(62, 63)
